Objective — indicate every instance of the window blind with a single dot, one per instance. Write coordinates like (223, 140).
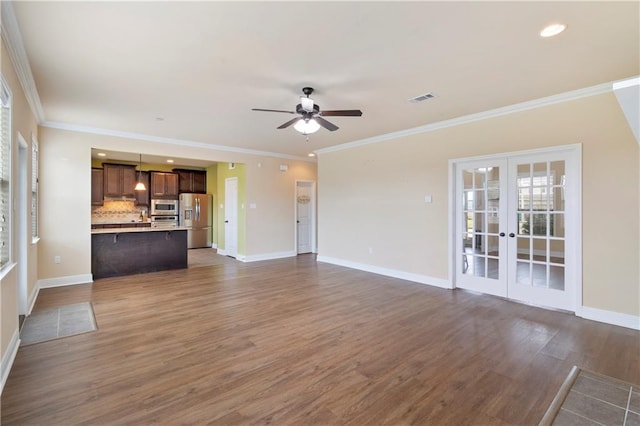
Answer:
(34, 188)
(5, 176)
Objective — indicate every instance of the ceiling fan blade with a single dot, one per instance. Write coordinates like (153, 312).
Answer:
(342, 112)
(288, 123)
(324, 123)
(272, 110)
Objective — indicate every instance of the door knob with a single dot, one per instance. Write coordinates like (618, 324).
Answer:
(226, 221)
(512, 235)
(502, 234)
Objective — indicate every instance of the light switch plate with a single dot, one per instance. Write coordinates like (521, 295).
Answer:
(427, 198)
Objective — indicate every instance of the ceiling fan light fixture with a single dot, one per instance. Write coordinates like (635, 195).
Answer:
(306, 127)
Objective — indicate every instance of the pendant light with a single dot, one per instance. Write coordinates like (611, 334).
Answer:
(140, 186)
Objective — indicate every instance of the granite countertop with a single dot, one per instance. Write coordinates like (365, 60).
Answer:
(129, 230)
(124, 222)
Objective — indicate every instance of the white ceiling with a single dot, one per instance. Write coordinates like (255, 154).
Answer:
(202, 66)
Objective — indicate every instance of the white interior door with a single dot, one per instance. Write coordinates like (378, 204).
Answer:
(304, 222)
(517, 219)
(481, 245)
(540, 210)
(231, 216)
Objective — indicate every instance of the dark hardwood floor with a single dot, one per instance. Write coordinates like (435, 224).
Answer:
(293, 341)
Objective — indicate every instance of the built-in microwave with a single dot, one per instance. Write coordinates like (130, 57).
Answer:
(164, 207)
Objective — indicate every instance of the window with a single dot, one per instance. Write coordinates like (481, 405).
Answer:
(34, 189)
(5, 175)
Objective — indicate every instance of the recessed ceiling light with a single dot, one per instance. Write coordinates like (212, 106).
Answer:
(102, 154)
(552, 30)
(311, 154)
(169, 161)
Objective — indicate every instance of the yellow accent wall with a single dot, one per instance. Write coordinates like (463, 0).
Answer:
(212, 188)
(225, 172)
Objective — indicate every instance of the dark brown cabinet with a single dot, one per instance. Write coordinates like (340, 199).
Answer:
(192, 181)
(142, 197)
(164, 185)
(119, 180)
(97, 187)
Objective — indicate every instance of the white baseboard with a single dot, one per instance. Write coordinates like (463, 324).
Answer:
(267, 256)
(609, 317)
(222, 252)
(63, 281)
(32, 300)
(9, 357)
(214, 245)
(394, 273)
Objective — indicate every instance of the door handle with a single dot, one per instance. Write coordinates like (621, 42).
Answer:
(226, 221)
(502, 234)
(512, 235)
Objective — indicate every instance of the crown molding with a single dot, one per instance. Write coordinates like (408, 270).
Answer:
(13, 42)
(510, 109)
(170, 141)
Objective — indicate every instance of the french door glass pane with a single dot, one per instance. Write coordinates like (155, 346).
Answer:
(492, 268)
(524, 250)
(467, 179)
(556, 277)
(523, 273)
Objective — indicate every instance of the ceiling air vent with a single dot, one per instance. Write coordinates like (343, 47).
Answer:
(422, 98)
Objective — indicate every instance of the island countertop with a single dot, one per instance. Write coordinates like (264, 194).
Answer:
(128, 230)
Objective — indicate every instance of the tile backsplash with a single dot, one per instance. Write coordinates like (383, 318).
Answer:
(117, 212)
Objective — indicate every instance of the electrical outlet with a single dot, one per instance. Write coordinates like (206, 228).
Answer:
(56, 259)
(370, 250)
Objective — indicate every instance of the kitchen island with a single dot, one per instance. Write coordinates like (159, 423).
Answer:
(126, 251)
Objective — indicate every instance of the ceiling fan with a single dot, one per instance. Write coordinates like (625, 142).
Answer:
(310, 117)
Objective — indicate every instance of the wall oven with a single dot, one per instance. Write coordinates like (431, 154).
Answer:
(164, 221)
(164, 207)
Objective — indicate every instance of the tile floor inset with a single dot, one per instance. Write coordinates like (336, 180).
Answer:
(596, 399)
(54, 323)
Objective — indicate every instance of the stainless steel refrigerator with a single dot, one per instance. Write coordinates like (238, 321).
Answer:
(195, 215)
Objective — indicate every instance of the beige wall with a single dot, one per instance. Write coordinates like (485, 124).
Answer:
(373, 196)
(23, 122)
(65, 181)
(273, 193)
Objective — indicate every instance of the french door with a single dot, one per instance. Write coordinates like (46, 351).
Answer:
(517, 221)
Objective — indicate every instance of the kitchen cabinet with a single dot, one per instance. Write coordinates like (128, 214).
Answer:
(142, 197)
(119, 180)
(164, 185)
(192, 181)
(97, 187)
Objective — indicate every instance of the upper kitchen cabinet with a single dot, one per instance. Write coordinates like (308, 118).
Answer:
(192, 181)
(119, 180)
(164, 185)
(97, 187)
(142, 197)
